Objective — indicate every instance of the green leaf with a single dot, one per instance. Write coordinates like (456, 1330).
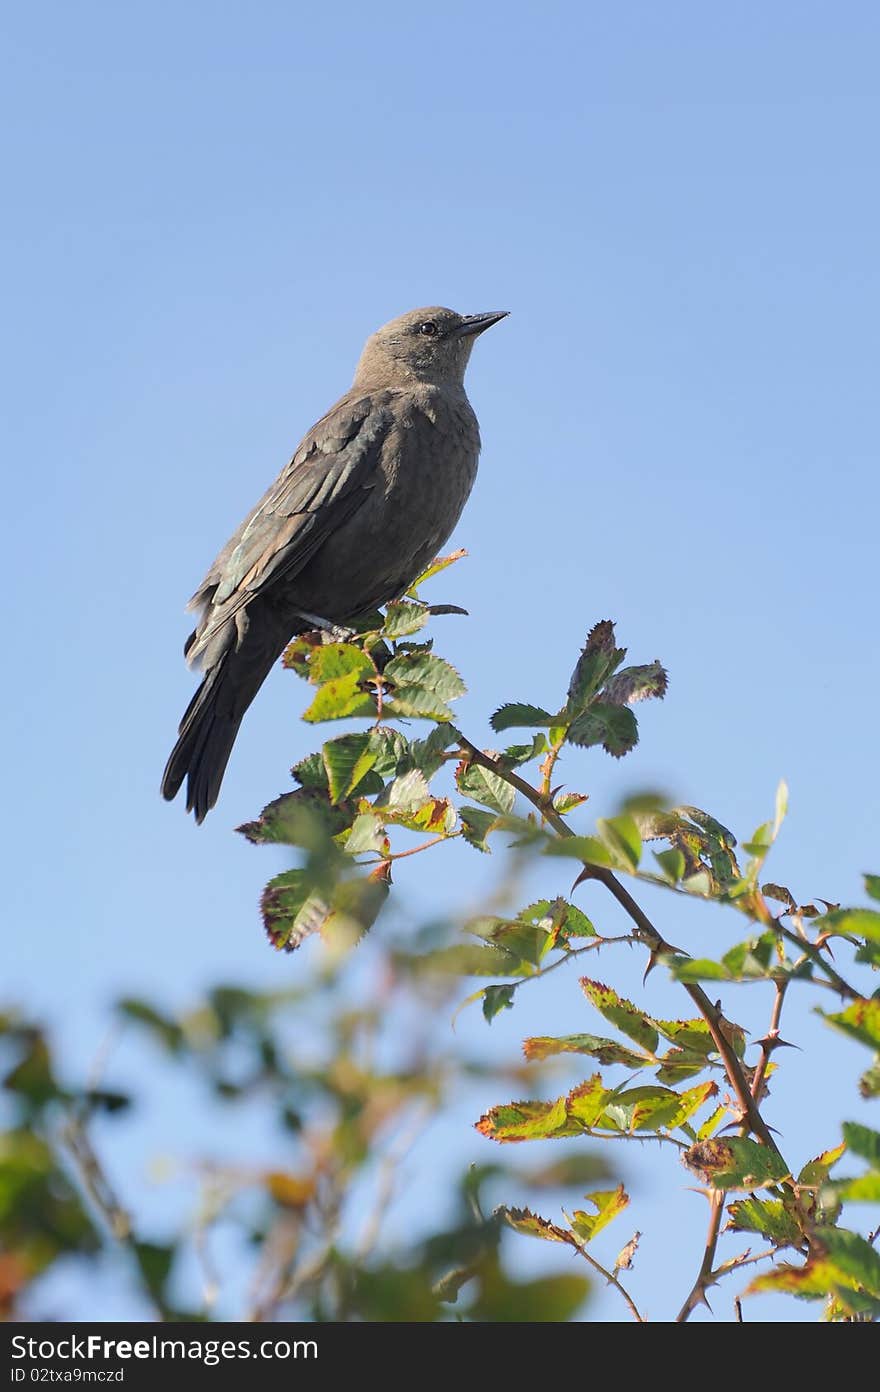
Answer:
(514, 714)
(614, 727)
(340, 699)
(282, 903)
(168, 1031)
(609, 1203)
(439, 564)
(856, 923)
(735, 1163)
(476, 824)
(310, 772)
(332, 661)
(427, 754)
(860, 1020)
(517, 754)
(524, 1121)
(694, 1035)
(816, 1172)
(403, 617)
(621, 835)
(477, 782)
(347, 761)
(297, 819)
(522, 1220)
(636, 684)
(599, 658)
(862, 1189)
(853, 1257)
(622, 1013)
(584, 848)
(426, 672)
(872, 886)
(698, 969)
(862, 1141)
(367, 834)
(672, 864)
(769, 1217)
(869, 1082)
(527, 942)
(496, 999)
(607, 1051)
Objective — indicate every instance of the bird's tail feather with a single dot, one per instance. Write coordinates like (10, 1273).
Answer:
(210, 724)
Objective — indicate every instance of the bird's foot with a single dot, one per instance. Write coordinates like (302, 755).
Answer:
(336, 632)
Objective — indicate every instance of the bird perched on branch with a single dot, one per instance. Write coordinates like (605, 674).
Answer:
(369, 497)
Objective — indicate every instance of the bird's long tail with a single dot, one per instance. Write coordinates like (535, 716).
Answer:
(211, 722)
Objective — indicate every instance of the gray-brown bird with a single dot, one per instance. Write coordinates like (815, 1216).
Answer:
(369, 497)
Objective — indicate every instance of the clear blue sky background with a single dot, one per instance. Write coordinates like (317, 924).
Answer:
(207, 209)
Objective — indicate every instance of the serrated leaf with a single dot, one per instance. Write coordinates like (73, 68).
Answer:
(609, 1204)
(340, 700)
(332, 661)
(614, 727)
(496, 999)
(860, 1020)
(515, 755)
(402, 618)
(424, 671)
(694, 1035)
(598, 659)
(427, 754)
(567, 802)
(476, 825)
(586, 1104)
(769, 1217)
(735, 1163)
(294, 819)
(607, 1051)
(483, 786)
(621, 1013)
(524, 1121)
(514, 714)
(712, 1123)
(522, 1220)
(310, 771)
(281, 904)
(815, 1172)
(347, 761)
(634, 684)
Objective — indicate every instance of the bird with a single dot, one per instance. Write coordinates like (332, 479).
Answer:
(371, 494)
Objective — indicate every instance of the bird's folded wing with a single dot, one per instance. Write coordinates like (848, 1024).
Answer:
(325, 482)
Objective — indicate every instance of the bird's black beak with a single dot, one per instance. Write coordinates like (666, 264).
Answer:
(473, 324)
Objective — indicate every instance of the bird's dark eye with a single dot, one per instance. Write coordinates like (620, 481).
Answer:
(429, 328)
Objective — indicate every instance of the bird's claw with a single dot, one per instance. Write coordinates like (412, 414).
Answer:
(336, 632)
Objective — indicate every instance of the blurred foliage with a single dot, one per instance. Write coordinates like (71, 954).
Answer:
(403, 781)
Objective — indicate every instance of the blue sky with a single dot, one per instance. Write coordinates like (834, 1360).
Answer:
(209, 207)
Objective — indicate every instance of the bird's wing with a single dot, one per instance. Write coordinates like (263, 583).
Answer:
(325, 482)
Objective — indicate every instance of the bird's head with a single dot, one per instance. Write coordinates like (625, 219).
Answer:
(426, 345)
